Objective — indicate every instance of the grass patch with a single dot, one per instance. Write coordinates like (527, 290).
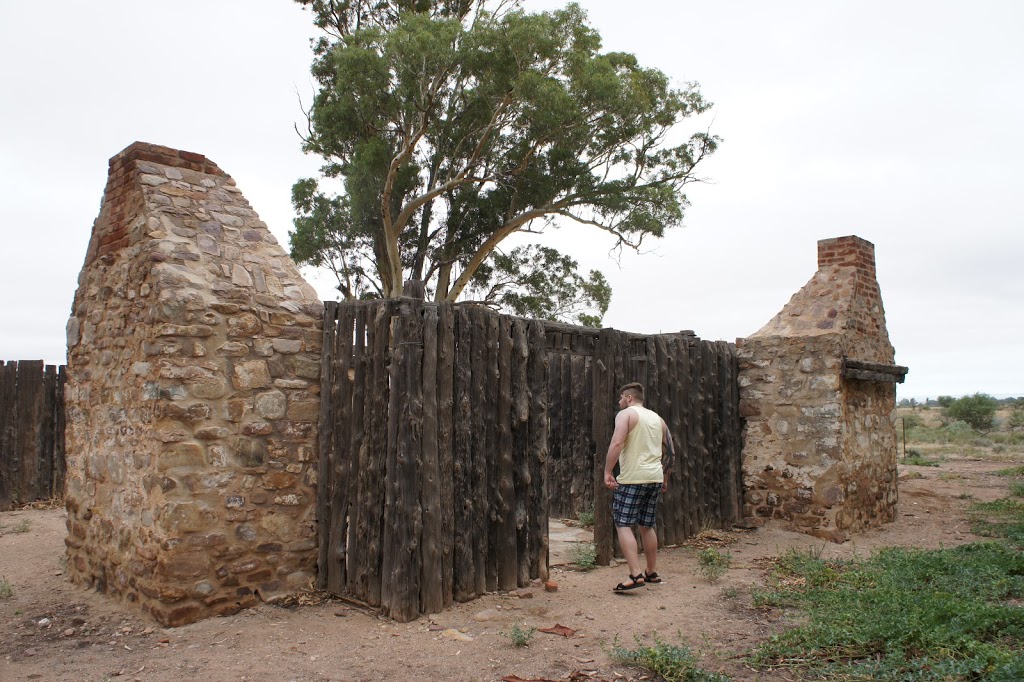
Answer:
(23, 526)
(584, 555)
(713, 564)
(1017, 489)
(6, 589)
(904, 614)
(1012, 471)
(999, 519)
(672, 663)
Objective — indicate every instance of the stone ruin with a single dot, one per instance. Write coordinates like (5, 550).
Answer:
(193, 397)
(817, 390)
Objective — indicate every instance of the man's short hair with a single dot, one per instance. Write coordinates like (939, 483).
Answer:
(634, 389)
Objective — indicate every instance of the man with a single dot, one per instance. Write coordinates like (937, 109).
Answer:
(637, 446)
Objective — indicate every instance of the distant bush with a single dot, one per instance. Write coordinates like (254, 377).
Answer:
(913, 421)
(978, 410)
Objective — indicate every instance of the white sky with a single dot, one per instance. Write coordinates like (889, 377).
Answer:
(901, 122)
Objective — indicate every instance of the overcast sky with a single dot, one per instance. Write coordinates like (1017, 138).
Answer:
(900, 122)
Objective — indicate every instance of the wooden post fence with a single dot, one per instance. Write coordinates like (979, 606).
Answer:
(32, 421)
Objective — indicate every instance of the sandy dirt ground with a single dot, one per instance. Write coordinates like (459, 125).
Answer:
(53, 630)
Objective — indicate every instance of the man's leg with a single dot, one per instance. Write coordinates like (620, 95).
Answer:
(627, 543)
(649, 536)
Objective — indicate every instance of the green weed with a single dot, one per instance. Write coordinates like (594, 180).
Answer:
(672, 663)
(6, 589)
(521, 636)
(23, 526)
(586, 517)
(1012, 471)
(917, 459)
(584, 555)
(713, 564)
(904, 614)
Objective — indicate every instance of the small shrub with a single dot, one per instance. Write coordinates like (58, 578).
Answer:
(586, 517)
(731, 593)
(584, 555)
(672, 663)
(521, 636)
(23, 526)
(915, 458)
(1012, 471)
(1017, 489)
(6, 589)
(713, 564)
(913, 421)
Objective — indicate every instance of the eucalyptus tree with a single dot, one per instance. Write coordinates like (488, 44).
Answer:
(449, 126)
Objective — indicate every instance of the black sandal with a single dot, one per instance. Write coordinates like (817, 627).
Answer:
(652, 578)
(635, 582)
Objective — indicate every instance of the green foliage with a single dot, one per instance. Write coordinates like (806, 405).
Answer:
(539, 282)
(6, 589)
(521, 636)
(1016, 489)
(946, 400)
(1012, 471)
(978, 410)
(673, 663)
(23, 526)
(912, 421)
(713, 564)
(584, 555)
(1015, 422)
(452, 125)
(904, 614)
(586, 517)
(1003, 518)
(915, 458)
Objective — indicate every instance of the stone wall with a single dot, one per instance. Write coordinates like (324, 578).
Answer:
(819, 445)
(192, 397)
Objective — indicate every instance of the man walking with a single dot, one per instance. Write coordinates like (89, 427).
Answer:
(637, 446)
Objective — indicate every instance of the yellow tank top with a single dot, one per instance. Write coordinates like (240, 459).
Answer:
(640, 461)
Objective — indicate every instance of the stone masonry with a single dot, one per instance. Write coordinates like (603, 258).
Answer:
(819, 442)
(192, 397)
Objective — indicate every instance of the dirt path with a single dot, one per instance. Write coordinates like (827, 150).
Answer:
(51, 630)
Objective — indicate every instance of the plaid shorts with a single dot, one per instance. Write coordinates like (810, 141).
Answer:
(635, 504)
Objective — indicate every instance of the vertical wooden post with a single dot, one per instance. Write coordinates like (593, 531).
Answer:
(506, 560)
(604, 368)
(403, 520)
(696, 451)
(340, 448)
(355, 544)
(445, 429)
(482, 381)
(30, 409)
(432, 544)
(468, 505)
(520, 449)
(8, 434)
(325, 456)
(59, 425)
(539, 500)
